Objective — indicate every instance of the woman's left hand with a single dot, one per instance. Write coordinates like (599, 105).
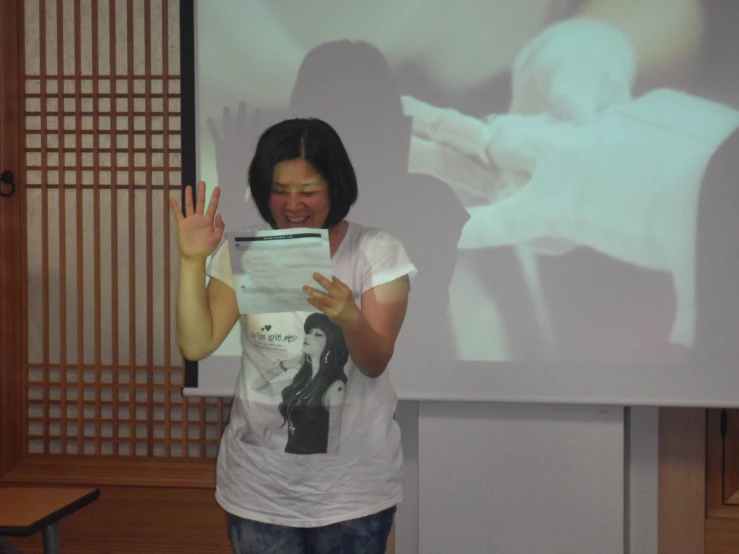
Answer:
(337, 301)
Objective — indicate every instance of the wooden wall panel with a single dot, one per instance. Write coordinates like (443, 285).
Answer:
(101, 374)
(91, 386)
(722, 536)
(12, 240)
(102, 154)
(681, 481)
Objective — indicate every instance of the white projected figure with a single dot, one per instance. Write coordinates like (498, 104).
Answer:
(624, 183)
(578, 162)
(572, 71)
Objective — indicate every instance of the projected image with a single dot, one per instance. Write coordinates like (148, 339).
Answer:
(562, 173)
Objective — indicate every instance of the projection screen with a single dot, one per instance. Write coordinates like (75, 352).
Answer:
(564, 174)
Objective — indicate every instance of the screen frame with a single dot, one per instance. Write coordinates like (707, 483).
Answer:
(188, 108)
(506, 382)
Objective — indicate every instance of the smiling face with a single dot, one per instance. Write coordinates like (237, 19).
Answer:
(299, 196)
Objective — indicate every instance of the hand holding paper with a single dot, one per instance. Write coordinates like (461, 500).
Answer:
(337, 302)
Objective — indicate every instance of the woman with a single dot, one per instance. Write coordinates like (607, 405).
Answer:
(279, 501)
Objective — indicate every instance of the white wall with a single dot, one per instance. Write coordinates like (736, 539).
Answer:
(528, 479)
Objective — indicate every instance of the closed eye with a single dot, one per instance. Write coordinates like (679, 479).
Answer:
(305, 194)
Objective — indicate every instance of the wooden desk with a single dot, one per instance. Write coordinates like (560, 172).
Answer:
(28, 510)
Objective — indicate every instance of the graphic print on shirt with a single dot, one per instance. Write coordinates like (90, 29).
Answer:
(269, 338)
(307, 389)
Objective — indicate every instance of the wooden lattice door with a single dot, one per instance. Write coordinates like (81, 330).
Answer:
(91, 380)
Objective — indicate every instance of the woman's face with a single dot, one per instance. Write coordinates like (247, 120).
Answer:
(299, 196)
(314, 343)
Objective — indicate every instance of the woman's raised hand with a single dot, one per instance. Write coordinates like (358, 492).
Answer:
(199, 232)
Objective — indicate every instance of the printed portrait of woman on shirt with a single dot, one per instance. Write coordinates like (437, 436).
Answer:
(311, 404)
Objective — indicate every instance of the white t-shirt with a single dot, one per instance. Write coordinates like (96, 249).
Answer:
(311, 440)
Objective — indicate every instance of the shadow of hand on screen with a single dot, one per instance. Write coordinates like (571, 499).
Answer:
(234, 144)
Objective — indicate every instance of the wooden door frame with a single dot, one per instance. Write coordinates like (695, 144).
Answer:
(682, 481)
(13, 328)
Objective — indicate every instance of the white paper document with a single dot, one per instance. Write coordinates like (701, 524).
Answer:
(271, 267)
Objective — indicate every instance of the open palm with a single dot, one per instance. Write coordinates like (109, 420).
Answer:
(199, 231)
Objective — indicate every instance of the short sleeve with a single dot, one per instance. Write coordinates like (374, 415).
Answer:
(220, 265)
(387, 260)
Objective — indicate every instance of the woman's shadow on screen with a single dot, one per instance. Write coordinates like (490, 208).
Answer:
(351, 86)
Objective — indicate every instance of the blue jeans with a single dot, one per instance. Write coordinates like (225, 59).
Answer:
(365, 535)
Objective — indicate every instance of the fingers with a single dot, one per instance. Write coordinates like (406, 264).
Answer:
(336, 291)
(189, 210)
(199, 207)
(200, 204)
(213, 204)
(315, 304)
(337, 303)
(327, 303)
(219, 227)
(319, 300)
(314, 293)
(339, 283)
(334, 283)
(175, 208)
(334, 287)
(325, 283)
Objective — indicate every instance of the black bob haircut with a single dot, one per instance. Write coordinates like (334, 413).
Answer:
(314, 141)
